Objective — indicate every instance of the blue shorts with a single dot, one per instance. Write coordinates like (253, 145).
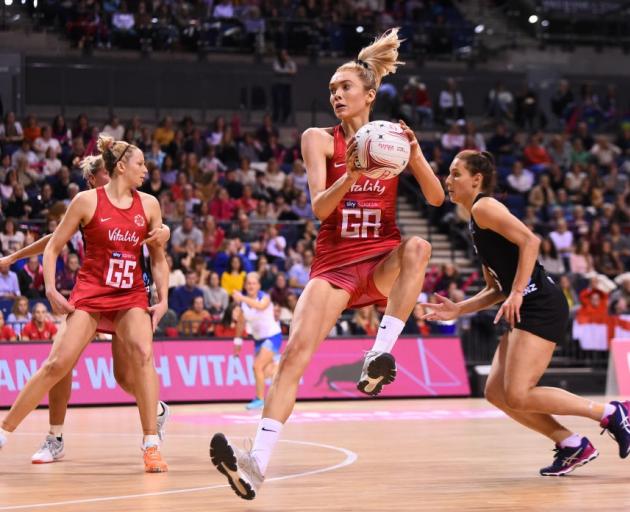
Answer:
(272, 343)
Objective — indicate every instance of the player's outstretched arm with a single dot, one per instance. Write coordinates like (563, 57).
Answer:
(34, 249)
(446, 309)
(429, 183)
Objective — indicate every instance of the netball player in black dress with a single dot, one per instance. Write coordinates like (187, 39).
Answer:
(537, 314)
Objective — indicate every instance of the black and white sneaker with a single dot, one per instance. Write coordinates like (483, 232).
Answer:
(379, 369)
(239, 467)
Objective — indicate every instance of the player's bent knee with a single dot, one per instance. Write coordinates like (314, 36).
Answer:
(294, 359)
(516, 399)
(142, 354)
(494, 394)
(419, 249)
(56, 367)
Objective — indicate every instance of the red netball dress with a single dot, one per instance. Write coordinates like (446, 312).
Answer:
(362, 229)
(111, 277)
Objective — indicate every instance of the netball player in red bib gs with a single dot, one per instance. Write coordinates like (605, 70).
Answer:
(109, 293)
(359, 260)
(52, 449)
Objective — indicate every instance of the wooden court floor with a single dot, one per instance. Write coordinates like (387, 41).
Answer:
(380, 455)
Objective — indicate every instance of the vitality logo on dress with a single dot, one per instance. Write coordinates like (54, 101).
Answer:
(116, 235)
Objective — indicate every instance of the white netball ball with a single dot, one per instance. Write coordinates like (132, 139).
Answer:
(382, 150)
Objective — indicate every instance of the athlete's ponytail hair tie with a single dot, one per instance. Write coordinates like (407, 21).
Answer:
(362, 63)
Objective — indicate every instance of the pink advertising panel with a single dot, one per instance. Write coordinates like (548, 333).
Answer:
(207, 371)
(621, 355)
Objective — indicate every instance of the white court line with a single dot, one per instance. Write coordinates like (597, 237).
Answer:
(351, 457)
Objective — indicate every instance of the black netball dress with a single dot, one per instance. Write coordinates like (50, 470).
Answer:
(544, 311)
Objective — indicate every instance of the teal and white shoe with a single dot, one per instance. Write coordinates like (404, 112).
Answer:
(256, 403)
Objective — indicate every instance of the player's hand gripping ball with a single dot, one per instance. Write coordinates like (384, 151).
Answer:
(383, 150)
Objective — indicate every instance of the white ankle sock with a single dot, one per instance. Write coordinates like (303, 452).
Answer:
(150, 440)
(388, 333)
(608, 410)
(56, 430)
(573, 441)
(267, 436)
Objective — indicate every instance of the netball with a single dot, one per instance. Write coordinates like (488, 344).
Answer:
(382, 150)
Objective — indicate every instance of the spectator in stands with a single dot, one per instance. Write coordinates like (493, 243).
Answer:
(549, 258)
(6, 331)
(213, 237)
(581, 260)
(233, 186)
(266, 130)
(500, 103)
(453, 140)
(193, 317)
(222, 207)
(275, 247)
(31, 279)
(416, 103)
(300, 271)
(182, 297)
(282, 95)
(542, 196)
(280, 291)
(267, 272)
(215, 298)
(20, 314)
(9, 284)
(562, 239)
(302, 207)
(527, 113)
(24, 152)
(608, 262)
(114, 128)
(536, 155)
(569, 293)
(365, 321)
(60, 130)
(68, 276)
(187, 231)
(11, 240)
(451, 103)
(123, 27)
(605, 152)
(46, 142)
(562, 102)
(164, 133)
(175, 276)
(154, 186)
(233, 278)
(11, 133)
(501, 142)
(520, 180)
(560, 151)
(39, 328)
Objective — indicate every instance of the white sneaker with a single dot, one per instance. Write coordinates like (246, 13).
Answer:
(379, 369)
(240, 467)
(50, 451)
(162, 419)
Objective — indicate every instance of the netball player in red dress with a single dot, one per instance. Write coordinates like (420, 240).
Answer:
(109, 293)
(359, 260)
(52, 449)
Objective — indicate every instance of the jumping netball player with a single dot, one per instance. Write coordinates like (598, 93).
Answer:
(537, 313)
(52, 449)
(109, 293)
(360, 259)
(265, 329)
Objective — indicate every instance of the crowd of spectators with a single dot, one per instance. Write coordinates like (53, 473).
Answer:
(237, 200)
(337, 28)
